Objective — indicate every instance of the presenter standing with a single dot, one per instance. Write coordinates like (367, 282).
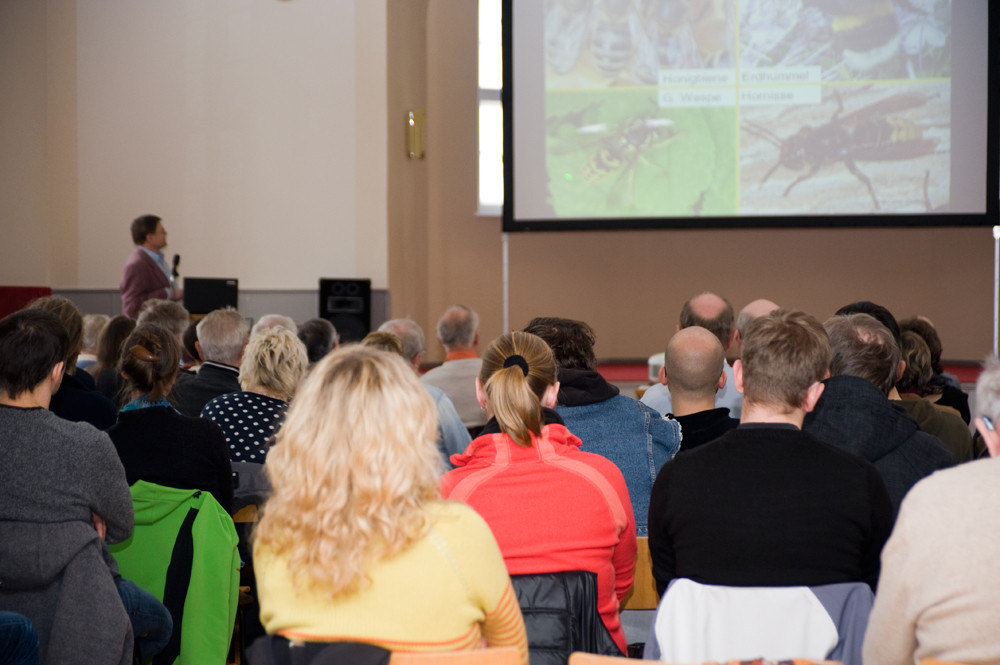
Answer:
(146, 274)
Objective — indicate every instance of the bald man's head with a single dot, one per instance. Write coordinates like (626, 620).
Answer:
(712, 312)
(693, 362)
(757, 308)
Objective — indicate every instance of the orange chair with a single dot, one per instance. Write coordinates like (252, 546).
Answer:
(642, 595)
(491, 656)
(580, 658)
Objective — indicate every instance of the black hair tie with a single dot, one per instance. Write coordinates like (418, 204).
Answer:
(515, 359)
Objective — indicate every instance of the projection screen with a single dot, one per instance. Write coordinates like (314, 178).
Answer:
(737, 113)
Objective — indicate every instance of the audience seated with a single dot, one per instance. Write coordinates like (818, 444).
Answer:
(453, 437)
(855, 413)
(222, 336)
(93, 324)
(62, 493)
(273, 365)
(768, 504)
(944, 388)
(934, 418)
(75, 400)
(941, 567)
(551, 506)
(715, 314)
(693, 369)
(109, 351)
(320, 338)
(628, 433)
(354, 543)
(154, 442)
(458, 333)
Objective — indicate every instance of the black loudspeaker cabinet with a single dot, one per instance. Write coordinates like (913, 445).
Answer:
(347, 304)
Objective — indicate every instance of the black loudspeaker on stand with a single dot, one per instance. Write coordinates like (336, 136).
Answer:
(347, 304)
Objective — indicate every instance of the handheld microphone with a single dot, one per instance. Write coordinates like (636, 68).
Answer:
(177, 262)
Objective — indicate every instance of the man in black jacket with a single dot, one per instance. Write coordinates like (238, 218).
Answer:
(767, 504)
(855, 413)
(222, 336)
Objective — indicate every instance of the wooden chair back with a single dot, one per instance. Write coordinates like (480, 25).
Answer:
(246, 514)
(642, 595)
(581, 658)
(491, 656)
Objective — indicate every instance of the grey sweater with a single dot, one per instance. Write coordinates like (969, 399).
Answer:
(53, 566)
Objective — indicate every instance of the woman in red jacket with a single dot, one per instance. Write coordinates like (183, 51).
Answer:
(551, 507)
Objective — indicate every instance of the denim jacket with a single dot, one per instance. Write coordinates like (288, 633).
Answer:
(632, 435)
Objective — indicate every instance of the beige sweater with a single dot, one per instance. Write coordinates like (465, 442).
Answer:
(939, 592)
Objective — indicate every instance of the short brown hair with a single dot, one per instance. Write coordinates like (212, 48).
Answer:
(517, 369)
(864, 348)
(572, 342)
(142, 226)
(784, 353)
(930, 335)
(71, 320)
(918, 373)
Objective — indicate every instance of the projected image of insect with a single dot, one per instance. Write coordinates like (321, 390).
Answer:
(879, 132)
(849, 39)
(614, 152)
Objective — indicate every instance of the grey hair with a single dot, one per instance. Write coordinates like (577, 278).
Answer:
(167, 313)
(988, 391)
(93, 324)
(270, 321)
(409, 332)
(457, 327)
(222, 334)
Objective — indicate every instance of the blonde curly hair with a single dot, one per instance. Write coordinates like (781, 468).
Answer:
(352, 470)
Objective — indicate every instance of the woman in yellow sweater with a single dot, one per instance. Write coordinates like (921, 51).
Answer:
(355, 543)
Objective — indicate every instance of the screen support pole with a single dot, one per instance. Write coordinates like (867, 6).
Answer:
(996, 288)
(505, 244)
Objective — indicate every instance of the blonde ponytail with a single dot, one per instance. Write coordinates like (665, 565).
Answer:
(517, 369)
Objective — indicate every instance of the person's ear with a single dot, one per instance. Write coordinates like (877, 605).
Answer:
(550, 398)
(722, 379)
(197, 347)
(56, 375)
(738, 375)
(813, 394)
(663, 376)
(900, 368)
(481, 394)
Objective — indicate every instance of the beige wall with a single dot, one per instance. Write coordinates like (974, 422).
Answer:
(255, 129)
(630, 285)
(270, 137)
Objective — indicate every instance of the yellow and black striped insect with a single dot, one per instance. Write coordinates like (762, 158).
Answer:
(870, 134)
(615, 151)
